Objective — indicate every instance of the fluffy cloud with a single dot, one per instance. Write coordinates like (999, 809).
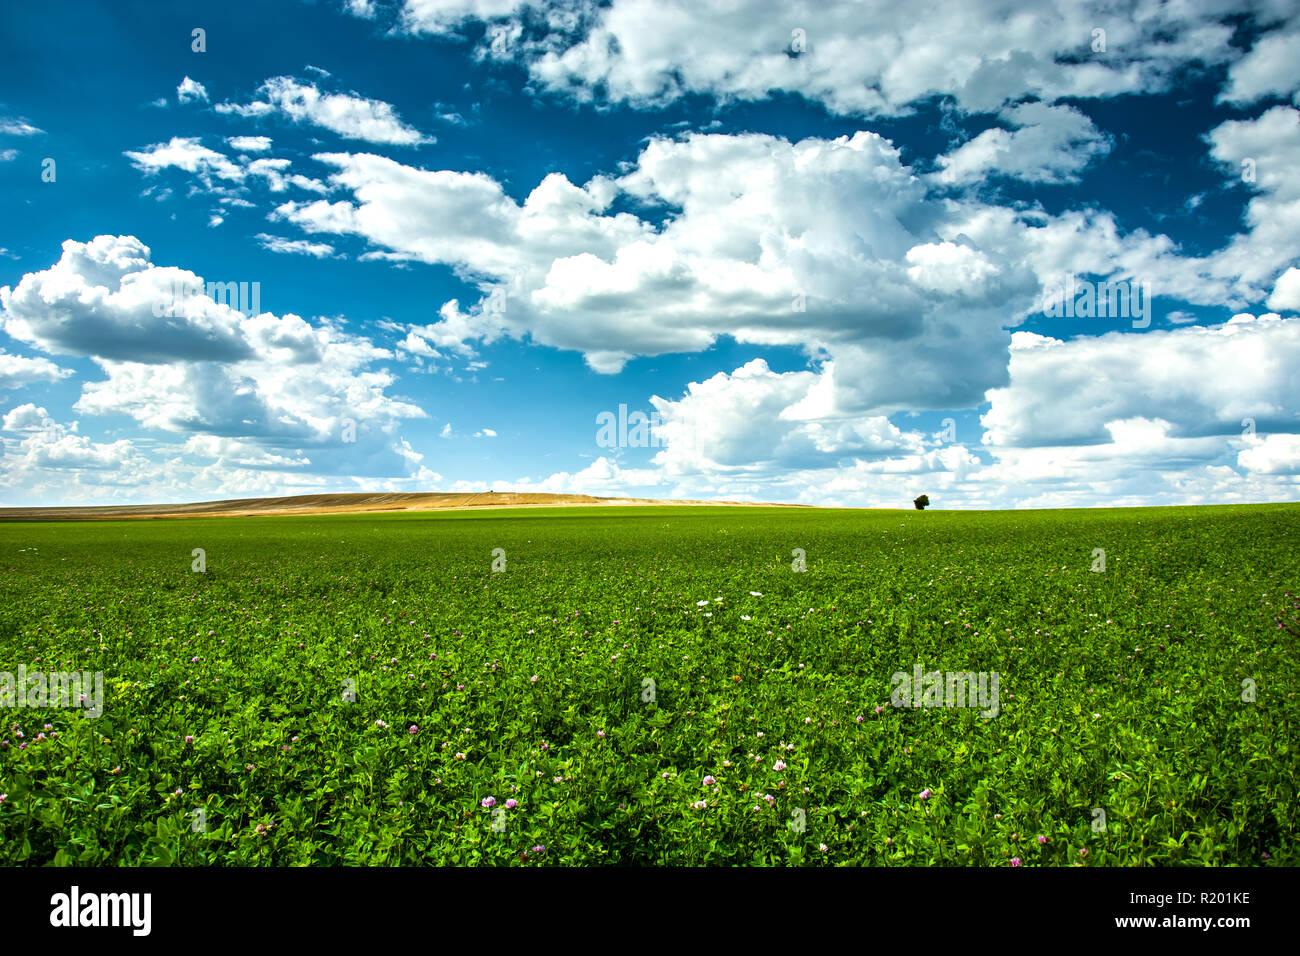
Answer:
(319, 250)
(1128, 470)
(1286, 294)
(11, 126)
(1047, 144)
(948, 267)
(26, 417)
(1271, 68)
(217, 173)
(1261, 153)
(860, 59)
(347, 114)
(602, 477)
(279, 385)
(1190, 415)
(1272, 455)
(191, 91)
(18, 370)
(1159, 427)
(189, 154)
(829, 245)
(250, 144)
(1198, 380)
(99, 300)
(50, 453)
(833, 246)
(754, 419)
(46, 462)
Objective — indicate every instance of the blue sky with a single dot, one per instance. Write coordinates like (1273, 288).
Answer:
(817, 242)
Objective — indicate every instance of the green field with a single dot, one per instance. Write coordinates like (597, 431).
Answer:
(1120, 691)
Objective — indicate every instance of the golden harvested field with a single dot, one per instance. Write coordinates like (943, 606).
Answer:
(340, 504)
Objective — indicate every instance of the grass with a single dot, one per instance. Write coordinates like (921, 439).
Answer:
(1120, 691)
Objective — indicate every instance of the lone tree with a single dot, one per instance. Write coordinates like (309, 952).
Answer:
(922, 502)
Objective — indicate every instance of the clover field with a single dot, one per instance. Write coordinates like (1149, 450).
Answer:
(367, 689)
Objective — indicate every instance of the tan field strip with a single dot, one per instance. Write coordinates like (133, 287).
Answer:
(359, 503)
